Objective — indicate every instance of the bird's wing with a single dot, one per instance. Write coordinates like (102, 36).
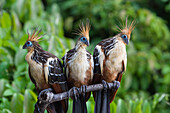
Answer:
(98, 57)
(100, 54)
(66, 59)
(90, 58)
(107, 45)
(89, 72)
(53, 72)
(101, 51)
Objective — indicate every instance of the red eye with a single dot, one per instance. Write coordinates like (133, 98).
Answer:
(84, 39)
(28, 42)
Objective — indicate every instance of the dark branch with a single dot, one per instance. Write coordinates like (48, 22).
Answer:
(46, 96)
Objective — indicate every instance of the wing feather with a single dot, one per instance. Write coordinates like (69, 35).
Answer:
(67, 57)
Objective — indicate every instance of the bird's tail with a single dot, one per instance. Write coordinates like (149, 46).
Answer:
(102, 102)
(79, 104)
(56, 107)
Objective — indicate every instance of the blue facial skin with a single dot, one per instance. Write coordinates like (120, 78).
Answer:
(27, 44)
(84, 40)
(125, 39)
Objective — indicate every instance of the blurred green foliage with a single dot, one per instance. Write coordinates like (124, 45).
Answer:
(145, 85)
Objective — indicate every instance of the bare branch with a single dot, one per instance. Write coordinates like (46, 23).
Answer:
(46, 96)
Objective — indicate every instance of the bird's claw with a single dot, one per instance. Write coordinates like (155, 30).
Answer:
(46, 95)
(83, 89)
(105, 85)
(74, 90)
(116, 84)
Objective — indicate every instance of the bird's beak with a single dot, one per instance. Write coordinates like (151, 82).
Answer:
(87, 43)
(24, 47)
(127, 41)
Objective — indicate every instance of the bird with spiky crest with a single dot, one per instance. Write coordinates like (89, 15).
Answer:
(78, 64)
(45, 71)
(110, 59)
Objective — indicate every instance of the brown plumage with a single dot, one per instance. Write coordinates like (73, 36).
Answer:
(79, 60)
(45, 71)
(110, 57)
(78, 63)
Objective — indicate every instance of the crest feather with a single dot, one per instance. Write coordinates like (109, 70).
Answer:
(84, 29)
(127, 29)
(35, 36)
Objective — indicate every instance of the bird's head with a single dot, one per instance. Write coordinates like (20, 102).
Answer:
(125, 32)
(83, 33)
(32, 41)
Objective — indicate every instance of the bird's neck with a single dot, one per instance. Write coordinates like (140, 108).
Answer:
(80, 47)
(34, 53)
(30, 50)
(37, 47)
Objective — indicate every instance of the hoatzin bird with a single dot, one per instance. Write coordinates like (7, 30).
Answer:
(45, 71)
(110, 59)
(78, 64)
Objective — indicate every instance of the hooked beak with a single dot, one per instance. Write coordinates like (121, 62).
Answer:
(87, 43)
(24, 47)
(126, 41)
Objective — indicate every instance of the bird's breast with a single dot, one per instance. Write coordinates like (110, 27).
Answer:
(113, 63)
(36, 72)
(78, 66)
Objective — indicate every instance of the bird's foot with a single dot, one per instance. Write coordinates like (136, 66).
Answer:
(105, 85)
(116, 84)
(83, 89)
(46, 95)
(75, 92)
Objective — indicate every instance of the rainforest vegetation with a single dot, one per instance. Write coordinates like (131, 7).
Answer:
(145, 87)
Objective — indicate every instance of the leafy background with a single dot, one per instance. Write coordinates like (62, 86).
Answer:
(145, 85)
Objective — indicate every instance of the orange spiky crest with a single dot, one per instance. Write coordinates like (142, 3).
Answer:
(35, 36)
(127, 29)
(84, 30)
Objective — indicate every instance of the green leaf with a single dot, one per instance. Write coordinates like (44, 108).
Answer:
(21, 70)
(138, 106)
(113, 107)
(2, 3)
(121, 107)
(11, 44)
(4, 103)
(70, 105)
(6, 111)
(16, 24)
(3, 82)
(17, 103)
(130, 106)
(19, 84)
(56, 46)
(5, 20)
(155, 100)
(30, 99)
(6, 57)
(90, 106)
(8, 92)
(20, 57)
(146, 107)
